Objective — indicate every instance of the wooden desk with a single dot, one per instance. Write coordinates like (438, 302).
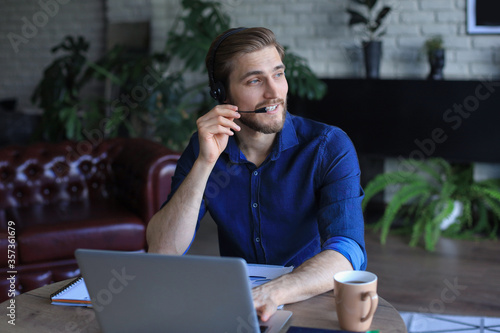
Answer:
(35, 313)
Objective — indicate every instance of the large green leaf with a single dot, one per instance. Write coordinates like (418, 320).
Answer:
(382, 14)
(357, 18)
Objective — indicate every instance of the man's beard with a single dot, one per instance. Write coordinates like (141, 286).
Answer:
(252, 122)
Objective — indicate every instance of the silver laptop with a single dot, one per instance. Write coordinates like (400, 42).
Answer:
(141, 292)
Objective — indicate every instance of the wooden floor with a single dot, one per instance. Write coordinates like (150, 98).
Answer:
(460, 278)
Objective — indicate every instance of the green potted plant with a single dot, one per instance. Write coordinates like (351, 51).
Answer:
(371, 18)
(160, 115)
(58, 93)
(428, 194)
(434, 48)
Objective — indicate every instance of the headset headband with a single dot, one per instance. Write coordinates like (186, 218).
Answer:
(217, 90)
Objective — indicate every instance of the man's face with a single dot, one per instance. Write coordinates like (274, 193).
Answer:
(258, 80)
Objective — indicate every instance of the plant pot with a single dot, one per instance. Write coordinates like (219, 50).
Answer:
(8, 104)
(454, 216)
(436, 61)
(372, 52)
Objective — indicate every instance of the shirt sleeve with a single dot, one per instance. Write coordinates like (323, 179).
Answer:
(348, 248)
(340, 220)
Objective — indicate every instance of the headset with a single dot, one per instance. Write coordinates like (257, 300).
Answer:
(217, 90)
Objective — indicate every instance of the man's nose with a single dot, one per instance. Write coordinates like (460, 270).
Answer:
(271, 89)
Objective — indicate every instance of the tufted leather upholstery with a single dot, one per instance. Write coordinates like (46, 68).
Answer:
(73, 195)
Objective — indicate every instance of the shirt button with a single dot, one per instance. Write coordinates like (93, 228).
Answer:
(254, 205)
(257, 239)
(255, 173)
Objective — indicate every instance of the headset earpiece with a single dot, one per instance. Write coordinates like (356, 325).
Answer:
(217, 90)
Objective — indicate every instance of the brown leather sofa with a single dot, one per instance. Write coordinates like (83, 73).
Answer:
(55, 198)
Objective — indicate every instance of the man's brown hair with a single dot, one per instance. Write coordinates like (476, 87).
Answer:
(220, 63)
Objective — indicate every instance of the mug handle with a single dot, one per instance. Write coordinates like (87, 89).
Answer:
(373, 304)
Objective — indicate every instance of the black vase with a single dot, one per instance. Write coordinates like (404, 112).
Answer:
(436, 61)
(372, 51)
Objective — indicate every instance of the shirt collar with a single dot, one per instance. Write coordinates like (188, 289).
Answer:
(286, 138)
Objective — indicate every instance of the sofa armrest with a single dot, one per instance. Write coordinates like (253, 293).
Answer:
(142, 175)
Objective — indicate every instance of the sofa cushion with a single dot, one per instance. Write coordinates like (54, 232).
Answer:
(53, 232)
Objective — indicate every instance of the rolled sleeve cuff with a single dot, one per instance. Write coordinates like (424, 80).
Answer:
(348, 248)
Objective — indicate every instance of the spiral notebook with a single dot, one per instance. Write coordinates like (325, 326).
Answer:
(72, 294)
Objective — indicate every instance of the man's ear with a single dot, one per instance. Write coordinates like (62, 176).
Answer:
(228, 99)
(227, 96)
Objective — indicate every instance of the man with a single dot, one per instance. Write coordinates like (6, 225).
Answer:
(282, 189)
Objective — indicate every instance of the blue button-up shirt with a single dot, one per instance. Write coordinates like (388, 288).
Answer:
(304, 198)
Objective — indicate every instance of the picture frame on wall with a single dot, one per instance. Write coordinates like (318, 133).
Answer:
(483, 17)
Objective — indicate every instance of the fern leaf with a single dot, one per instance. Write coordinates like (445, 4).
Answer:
(431, 236)
(494, 206)
(429, 167)
(433, 229)
(445, 166)
(482, 221)
(420, 205)
(447, 190)
(466, 217)
(403, 196)
(383, 181)
(493, 183)
(418, 229)
(492, 193)
(446, 209)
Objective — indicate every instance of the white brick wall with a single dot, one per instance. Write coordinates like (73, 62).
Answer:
(128, 10)
(315, 29)
(318, 31)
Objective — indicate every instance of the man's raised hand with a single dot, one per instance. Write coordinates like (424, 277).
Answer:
(214, 129)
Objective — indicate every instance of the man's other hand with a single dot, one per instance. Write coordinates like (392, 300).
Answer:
(263, 301)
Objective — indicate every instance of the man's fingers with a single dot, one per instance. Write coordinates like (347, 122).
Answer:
(215, 120)
(264, 306)
(219, 126)
(223, 121)
(225, 110)
(266, 311)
